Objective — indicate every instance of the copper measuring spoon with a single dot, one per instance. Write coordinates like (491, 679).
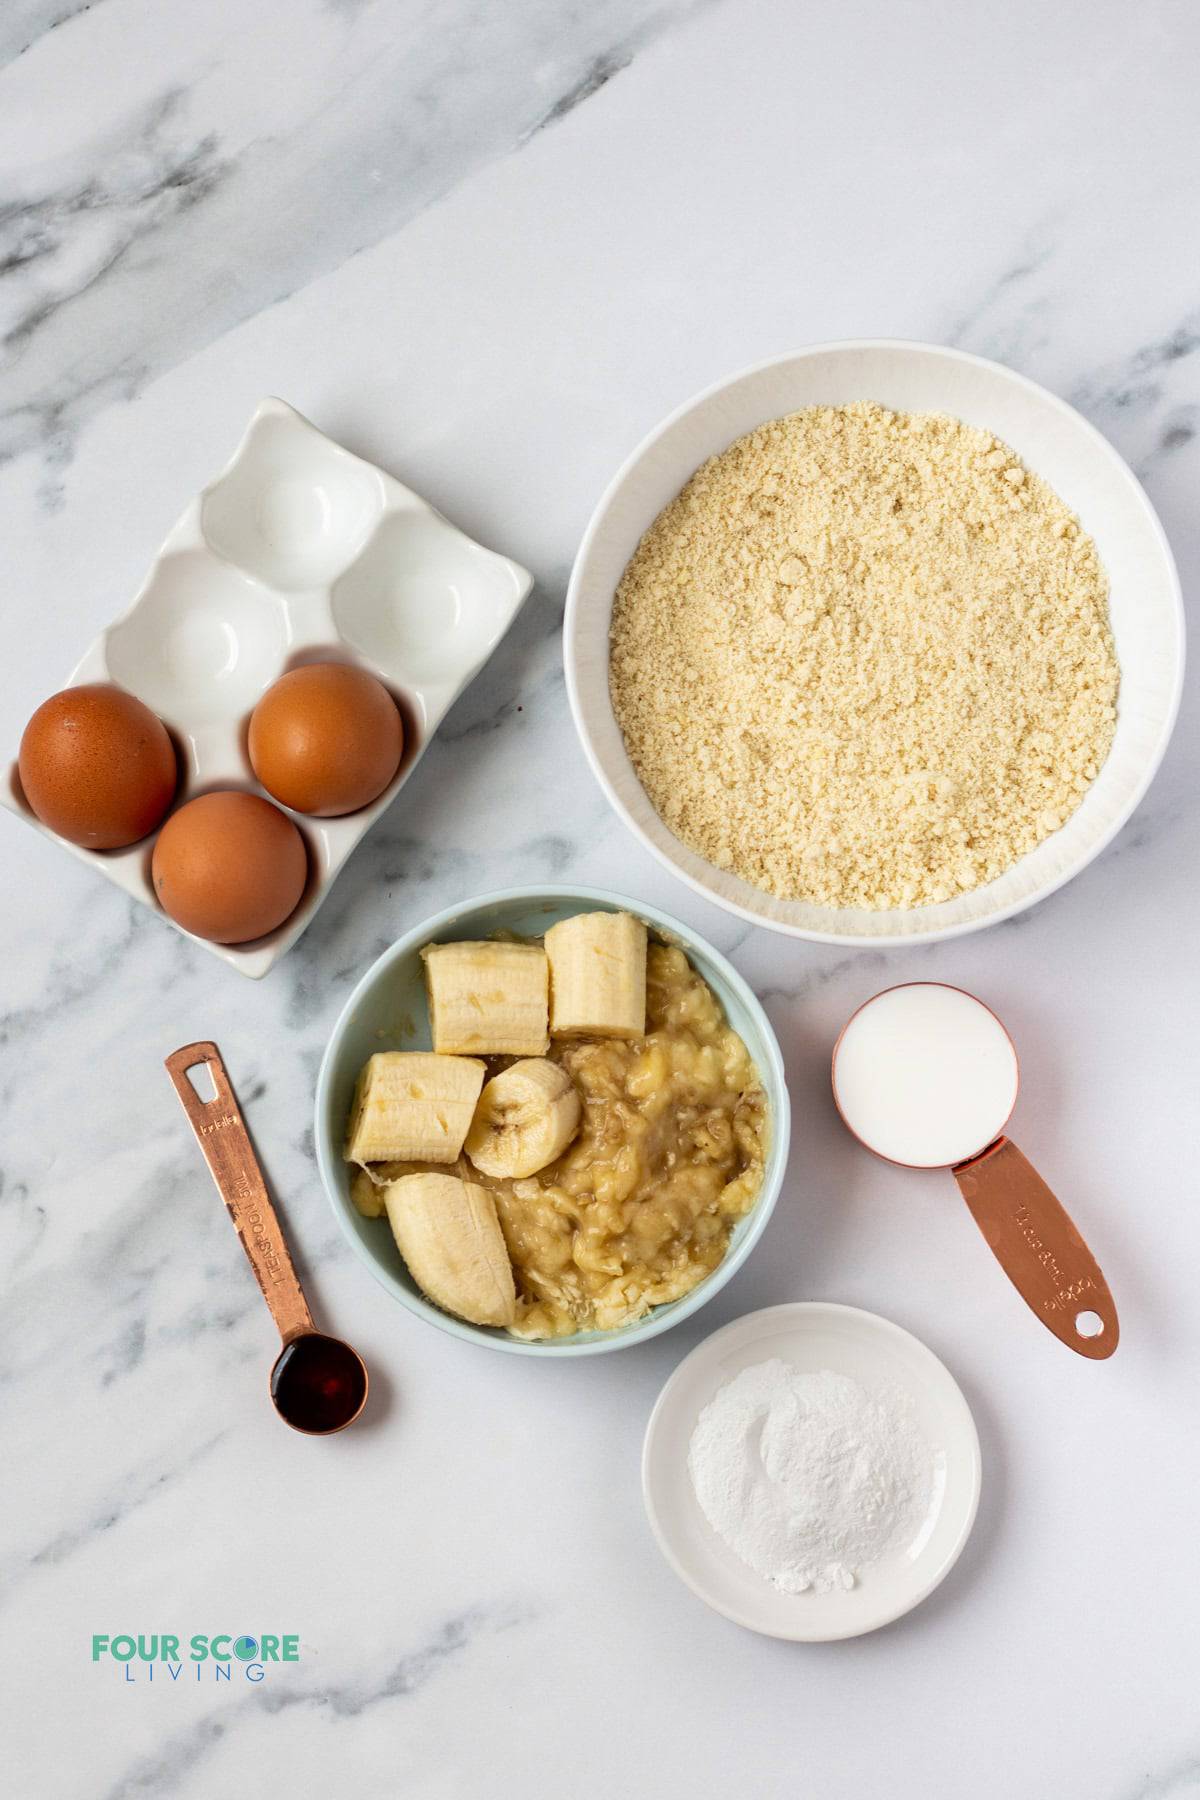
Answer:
(318, 1383)
(1027, 1226)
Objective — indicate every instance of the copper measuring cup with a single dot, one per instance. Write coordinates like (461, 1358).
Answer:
(318, 1383)
(1027, 1226)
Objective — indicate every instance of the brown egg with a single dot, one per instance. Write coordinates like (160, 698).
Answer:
(326, 739)
(97, 766)
(229, 867)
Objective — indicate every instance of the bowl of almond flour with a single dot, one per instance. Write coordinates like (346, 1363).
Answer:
(875, 643)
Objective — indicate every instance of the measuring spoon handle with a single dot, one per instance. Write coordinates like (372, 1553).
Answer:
(1038, 1247)
(222, 1135)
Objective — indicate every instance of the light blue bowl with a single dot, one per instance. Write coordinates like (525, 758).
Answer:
(387, 1011)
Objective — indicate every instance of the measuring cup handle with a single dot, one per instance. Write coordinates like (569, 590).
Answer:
(225, 1142)
(1038, 1247)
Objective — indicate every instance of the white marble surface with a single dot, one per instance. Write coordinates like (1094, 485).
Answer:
(489, 246)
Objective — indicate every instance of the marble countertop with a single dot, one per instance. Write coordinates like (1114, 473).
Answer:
(489, 247)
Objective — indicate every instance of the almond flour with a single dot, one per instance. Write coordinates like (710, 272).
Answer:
(864, 659)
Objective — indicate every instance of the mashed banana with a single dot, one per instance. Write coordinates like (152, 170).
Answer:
(669, 1155)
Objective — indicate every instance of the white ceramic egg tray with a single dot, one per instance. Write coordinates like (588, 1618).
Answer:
(298, 552)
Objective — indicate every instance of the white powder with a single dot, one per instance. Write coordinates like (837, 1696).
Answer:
(809, 1478)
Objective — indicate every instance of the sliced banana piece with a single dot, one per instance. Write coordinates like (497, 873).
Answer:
(597, 976)
(448, 1233)
(488, 999)
(526, 1117)
(412, 1106)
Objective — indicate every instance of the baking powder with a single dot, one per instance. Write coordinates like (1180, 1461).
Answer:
(809, 1478)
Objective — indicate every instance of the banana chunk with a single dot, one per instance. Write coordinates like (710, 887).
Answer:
(448, 1233)
(412, 1106)
(597, 976)
(488, 999)
(526, 1117)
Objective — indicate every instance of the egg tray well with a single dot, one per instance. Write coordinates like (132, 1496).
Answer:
(298, 552)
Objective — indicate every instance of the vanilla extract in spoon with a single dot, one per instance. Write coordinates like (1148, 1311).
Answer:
(318, 1383)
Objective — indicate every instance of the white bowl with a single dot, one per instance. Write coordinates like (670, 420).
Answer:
(872, 1351)
(1052, 439)
(298, 552)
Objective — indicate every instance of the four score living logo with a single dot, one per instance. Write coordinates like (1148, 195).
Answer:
(158, 1656)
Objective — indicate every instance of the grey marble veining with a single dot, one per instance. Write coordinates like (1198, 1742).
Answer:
(25, 21)
(491, 247)
(178, 1759)
(411, 113)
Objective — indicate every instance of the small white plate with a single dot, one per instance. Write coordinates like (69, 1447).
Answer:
(813, 1335)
